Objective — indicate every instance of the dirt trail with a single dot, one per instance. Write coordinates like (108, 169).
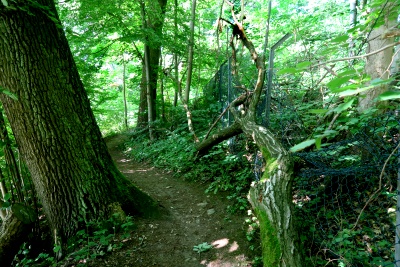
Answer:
(192, 218)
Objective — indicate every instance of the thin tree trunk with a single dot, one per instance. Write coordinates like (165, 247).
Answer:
(142, 118)
(176, 67)
(124, 95)
(3, 191)
(353, 22)
(11, 161)
(185, 100)
(162, 90)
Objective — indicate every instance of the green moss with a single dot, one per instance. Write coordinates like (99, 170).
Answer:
(265, 153)
(271, 247)
(271, 163)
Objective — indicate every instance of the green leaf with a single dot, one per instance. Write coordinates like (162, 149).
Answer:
(340, 38)
(6, 92)
(329, 133)
(56, 249)
(337, 82)
(355, 91)
(7, 196)
(318, 111)
(379, 81)
(389, 95)
(302, 145)
(6, 205)
(344, 106)
(318, 142)
(287, 70)
(347, 73)
(303, 65)
(104, 241)
(345, 88)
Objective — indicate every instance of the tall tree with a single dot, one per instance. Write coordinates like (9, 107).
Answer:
(124, 92)
(185, 98)
(147, 76)
(153, 23)
(54, 127)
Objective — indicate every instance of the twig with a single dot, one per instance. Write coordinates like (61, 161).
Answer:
(391, 62)
(357, 57)
(333, 121)
(379, 188)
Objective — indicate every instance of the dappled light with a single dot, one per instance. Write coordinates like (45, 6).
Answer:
(239, 261)
(220, 243)
(191, 219)
(234, 247)
(187, 133)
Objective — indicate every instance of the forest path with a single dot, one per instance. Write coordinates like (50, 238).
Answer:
(192, 217)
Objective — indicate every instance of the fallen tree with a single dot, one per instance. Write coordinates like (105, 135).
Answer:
(271, 197)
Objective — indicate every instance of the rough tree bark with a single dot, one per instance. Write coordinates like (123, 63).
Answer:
(378, 65)
(53, 124)
(271, 197)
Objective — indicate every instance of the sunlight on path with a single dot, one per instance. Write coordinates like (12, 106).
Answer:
(191, 218)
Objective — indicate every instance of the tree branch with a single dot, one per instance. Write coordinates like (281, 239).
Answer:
(356, 57)
(218, 137)
(238, 101)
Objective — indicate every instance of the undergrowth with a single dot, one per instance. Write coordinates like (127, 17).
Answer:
(97, 239)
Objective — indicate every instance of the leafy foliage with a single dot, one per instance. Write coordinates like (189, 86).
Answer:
(203, 247)
(313, 105)
(96, 240)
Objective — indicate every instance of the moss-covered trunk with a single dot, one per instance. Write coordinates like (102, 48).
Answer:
(54, 126)
(271, 198)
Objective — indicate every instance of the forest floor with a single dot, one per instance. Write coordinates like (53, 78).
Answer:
(191, 218)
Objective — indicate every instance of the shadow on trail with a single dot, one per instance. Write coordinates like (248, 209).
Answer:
(191, 218)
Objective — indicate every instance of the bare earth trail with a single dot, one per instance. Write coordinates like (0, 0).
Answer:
(191, 218)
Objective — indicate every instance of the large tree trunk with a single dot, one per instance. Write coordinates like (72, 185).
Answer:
(150, 102)
(378, 65)
(53, 124)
